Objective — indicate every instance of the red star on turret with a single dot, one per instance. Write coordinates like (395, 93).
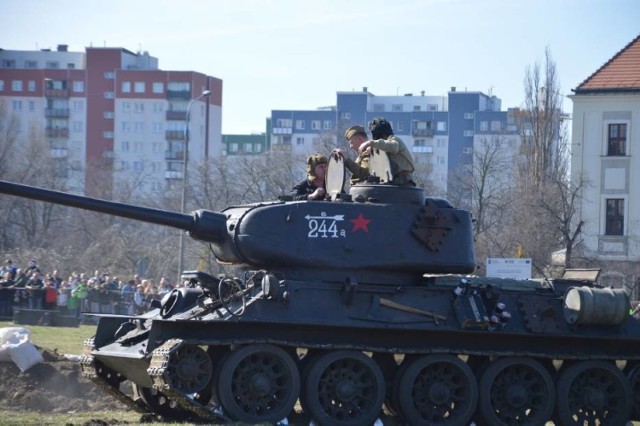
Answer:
(360, 223)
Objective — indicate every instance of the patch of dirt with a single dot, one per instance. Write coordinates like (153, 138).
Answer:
(53, 386)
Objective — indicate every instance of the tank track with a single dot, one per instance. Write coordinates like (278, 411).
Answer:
(90, 371)
(158, 371)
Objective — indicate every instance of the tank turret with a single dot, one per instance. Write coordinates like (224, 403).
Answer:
(381, 232)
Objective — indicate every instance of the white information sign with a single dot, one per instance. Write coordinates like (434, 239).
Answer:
(519, 269)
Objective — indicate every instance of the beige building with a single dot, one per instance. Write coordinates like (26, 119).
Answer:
(606, 151)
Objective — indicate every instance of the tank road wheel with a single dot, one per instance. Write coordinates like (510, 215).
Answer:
(190, 371)
(632, 371)
(438, 390)
(344, 388)
(158, 403)
(593, 392)
(516, 391)
(258, 383)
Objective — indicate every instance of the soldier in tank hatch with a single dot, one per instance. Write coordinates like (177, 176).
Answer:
(356, 135)
(400, 157)
(312, 188)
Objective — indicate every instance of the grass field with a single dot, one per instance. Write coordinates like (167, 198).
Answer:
(66, 340)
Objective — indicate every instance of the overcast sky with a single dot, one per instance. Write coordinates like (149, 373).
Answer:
(295, 54)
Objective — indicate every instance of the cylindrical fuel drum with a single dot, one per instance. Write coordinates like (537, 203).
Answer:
(596, 306)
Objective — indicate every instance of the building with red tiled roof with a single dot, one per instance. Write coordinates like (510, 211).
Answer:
(606, 153)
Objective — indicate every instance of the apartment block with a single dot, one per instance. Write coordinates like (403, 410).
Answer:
(440, 131)
(111, 118)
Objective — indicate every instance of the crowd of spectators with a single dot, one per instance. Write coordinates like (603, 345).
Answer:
(79, 293)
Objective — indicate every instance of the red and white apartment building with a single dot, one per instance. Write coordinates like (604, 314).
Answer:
(110, 117)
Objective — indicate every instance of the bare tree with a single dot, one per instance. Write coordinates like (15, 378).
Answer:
(543, 141)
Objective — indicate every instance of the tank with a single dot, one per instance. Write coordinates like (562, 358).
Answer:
(358, 308)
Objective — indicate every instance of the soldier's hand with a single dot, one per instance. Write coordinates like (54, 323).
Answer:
(339, 153)
(365, 148)
(317, 194)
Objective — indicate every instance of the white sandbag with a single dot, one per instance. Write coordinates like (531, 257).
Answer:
(8, 335)
(25, 356)
(16, 346)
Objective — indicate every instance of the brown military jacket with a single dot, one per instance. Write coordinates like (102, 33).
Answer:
(400, 159)
(359, 168)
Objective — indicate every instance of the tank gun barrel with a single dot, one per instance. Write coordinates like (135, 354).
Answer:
(202, 224)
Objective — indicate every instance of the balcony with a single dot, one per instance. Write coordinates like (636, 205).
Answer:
(56, 93)
(184, 95)
(174, 155)
(177, 115)
(57, 133)
(59, 152)
(174, 135)
(422, 132)
(422, 149)
(56, 112)
(281, 148)
(172, 174)
(282, 130)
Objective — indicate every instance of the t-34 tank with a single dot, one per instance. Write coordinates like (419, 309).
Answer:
(357, 305)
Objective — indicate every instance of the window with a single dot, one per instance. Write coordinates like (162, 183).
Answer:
(248, 147)
(419, 142)
(32, 106)
(31, 86)
(126, 127)
(327, 125)
(137, 166)
(496, 126)
(16, 85)
(346, 115)
(614, 217)
(158, 87)
(108, 115)
(78, 106)
(109, 75)
(432, 107)
(126, 107)
(484, 126)
(299, 141)
(396, 107)
(299, 124)
(31, 64)
(378, 107)
(8, 63)
(108, 95)
(315, 125)
(139, 87)
(124, 146)
(258, 147)
(284, 122)
(78, 86)
(156, 127)
(441, 143)
(71, 65)
(138, 127)
(77, 126)
(107, 135)
(416, 107)
(233, 147)
(138, 107)
(1, 85)
(53, 64)
(17, 105)
(467, 150)
(617, 139)
(468, 115)
(467, 133)
(440, 159)
(126, 87)
(399, 127)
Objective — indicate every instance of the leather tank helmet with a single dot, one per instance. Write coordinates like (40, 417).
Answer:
(380, 128)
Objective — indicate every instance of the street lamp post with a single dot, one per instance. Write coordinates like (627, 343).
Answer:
(185, 178)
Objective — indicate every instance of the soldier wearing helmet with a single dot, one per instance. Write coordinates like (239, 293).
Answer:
(312, 188)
